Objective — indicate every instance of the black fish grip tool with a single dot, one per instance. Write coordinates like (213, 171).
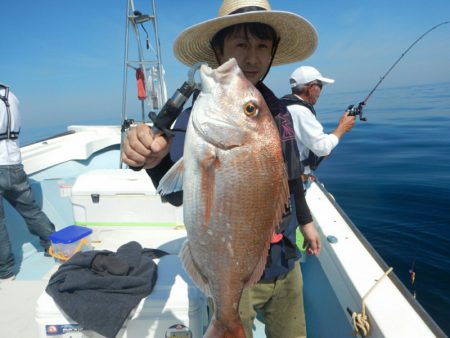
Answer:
(174, 106)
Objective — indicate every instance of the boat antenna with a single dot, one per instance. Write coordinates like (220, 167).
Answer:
(358, 110)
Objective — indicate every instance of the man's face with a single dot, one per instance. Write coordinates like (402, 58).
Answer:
(252, 54)
(314, 90)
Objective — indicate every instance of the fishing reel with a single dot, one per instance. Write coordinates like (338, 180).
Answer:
(355, 111)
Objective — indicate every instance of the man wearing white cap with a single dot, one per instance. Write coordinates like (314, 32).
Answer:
(257, 37)
(313, 143)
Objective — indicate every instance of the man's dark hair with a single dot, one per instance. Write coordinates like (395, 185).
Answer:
(259, 30)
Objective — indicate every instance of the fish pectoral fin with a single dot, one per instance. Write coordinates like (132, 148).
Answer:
(193, 270)
(172, 181)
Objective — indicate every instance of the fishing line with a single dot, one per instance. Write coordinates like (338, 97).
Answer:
(358, 110)
(352, 110)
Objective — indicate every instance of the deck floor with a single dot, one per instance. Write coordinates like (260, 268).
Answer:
(18, 318)
(17, 313)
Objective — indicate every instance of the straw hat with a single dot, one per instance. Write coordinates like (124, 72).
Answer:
(298, 38)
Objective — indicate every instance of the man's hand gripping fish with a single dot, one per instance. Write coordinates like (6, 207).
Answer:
(234, 191)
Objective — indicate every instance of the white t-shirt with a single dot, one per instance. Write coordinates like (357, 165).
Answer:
(309, 134)
(9, 149)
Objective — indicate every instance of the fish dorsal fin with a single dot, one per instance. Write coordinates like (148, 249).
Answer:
(172, 181)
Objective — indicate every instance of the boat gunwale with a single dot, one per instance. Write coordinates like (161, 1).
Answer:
(65, 133)
(426, 317)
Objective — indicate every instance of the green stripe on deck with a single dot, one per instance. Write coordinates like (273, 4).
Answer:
(119, 224)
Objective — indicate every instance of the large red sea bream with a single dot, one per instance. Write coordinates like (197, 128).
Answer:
(234, 191)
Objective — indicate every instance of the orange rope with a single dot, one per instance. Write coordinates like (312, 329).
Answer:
(63, 257)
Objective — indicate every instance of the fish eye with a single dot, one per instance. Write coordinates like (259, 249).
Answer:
(250, 108)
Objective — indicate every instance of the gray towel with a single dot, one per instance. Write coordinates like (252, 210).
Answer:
(98, 289)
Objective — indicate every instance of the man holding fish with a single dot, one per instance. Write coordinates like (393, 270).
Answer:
(239, 177)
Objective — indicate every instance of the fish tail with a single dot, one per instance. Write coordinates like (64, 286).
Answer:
(217, 330)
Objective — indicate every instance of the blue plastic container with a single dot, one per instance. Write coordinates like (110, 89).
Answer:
(69, 240)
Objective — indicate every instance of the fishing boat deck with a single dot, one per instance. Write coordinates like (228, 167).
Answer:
(18, 319)
(335, 281)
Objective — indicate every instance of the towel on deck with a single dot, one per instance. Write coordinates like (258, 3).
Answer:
(98, 289)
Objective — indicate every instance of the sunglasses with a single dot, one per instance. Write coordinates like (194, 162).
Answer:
(317, 83)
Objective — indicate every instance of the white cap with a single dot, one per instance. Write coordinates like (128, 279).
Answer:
(306, 74)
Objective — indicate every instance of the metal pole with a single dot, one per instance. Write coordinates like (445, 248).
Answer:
(125, 65)
(125, 84)
(162, 97)
(141, 63)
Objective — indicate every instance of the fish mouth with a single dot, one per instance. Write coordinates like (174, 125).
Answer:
(222, 74)
(227, 66)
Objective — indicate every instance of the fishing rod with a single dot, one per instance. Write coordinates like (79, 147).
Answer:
(358, 110)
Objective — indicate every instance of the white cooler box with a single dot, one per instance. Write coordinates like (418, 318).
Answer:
(120, 198)
(174, 302)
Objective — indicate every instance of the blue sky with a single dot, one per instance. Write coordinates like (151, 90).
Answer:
(64, 58)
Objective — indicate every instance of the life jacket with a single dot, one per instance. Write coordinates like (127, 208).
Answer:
(294, 167)
(8, 124)
(313, 160)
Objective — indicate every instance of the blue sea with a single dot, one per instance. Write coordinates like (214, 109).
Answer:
(391, 175)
